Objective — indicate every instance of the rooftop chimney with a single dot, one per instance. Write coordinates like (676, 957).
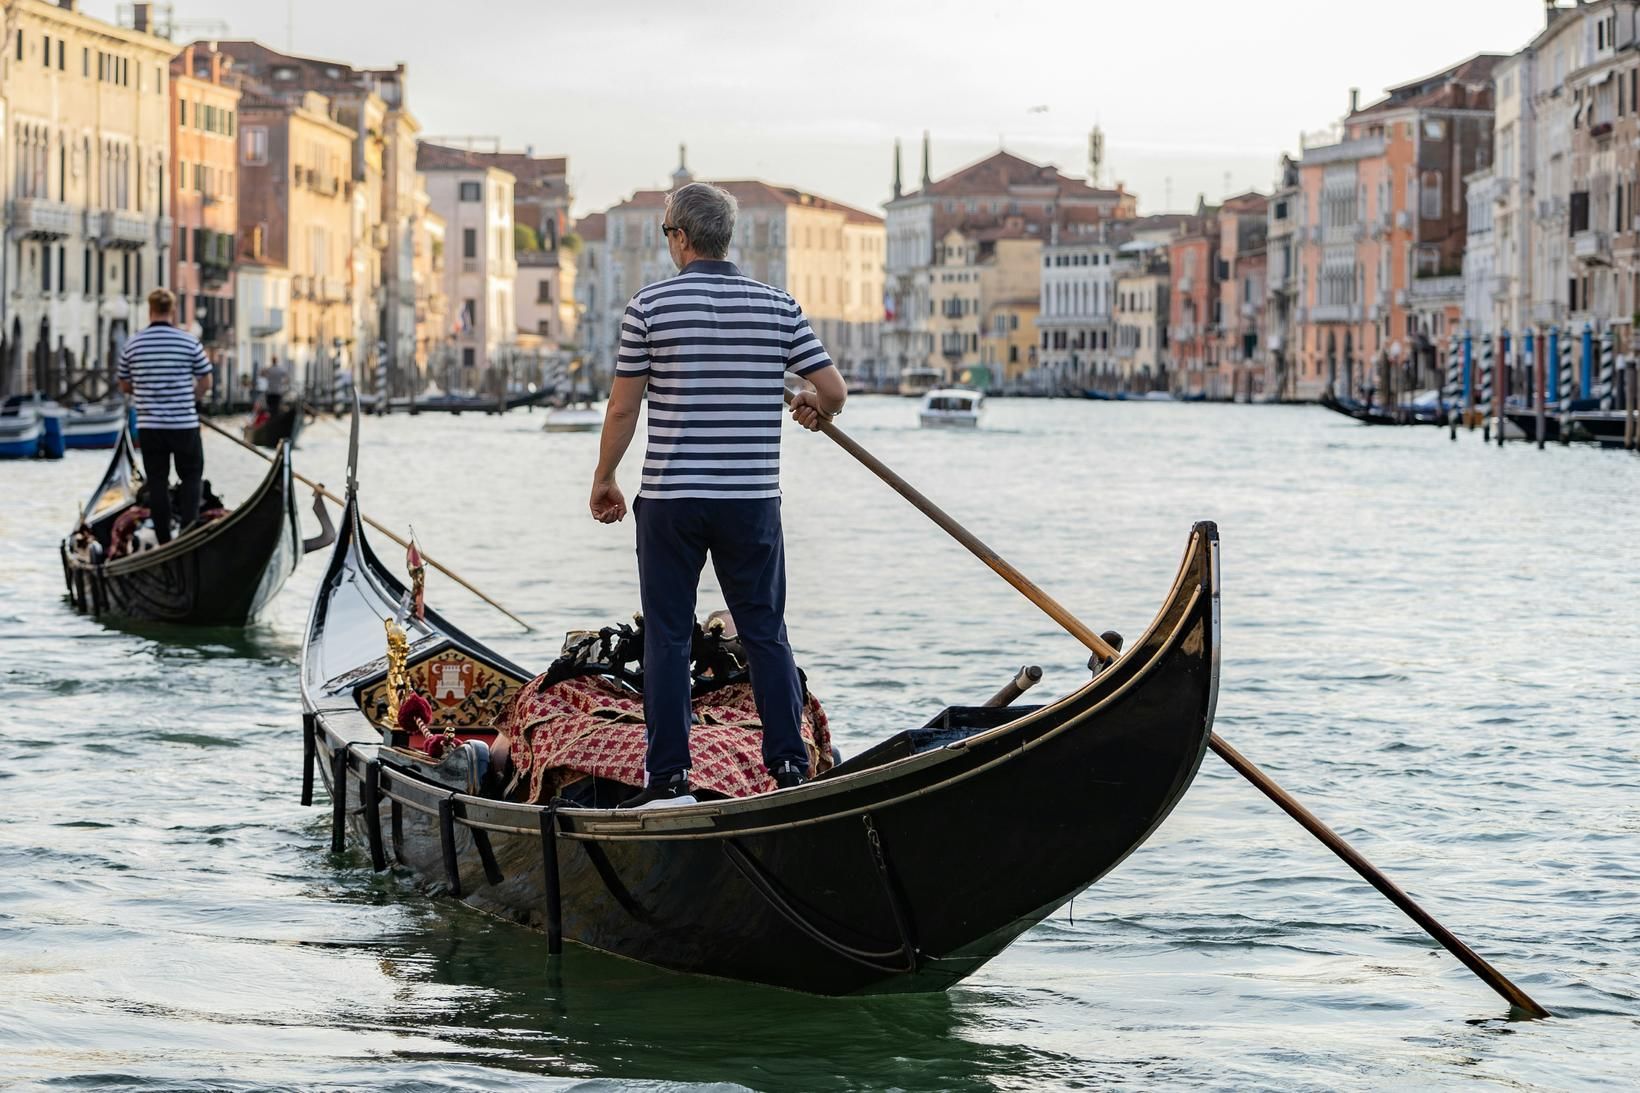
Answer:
(1355, 99)
(139, 17)
(68, 5)
(897, 187)
(926, 178)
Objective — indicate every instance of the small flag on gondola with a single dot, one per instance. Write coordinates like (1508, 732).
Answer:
(418, 577)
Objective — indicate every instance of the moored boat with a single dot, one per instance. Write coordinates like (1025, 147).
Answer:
(917, 382)
(220, 572)
(20, 436)
(904, 868)
(573, 419)
(951, 408)
(94, 427)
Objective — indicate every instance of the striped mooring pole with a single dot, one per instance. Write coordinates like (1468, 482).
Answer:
(1483, 401)
(1608, 369)
(1585, 386)
(1469, 379)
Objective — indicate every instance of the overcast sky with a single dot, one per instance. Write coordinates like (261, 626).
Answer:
(814, 94)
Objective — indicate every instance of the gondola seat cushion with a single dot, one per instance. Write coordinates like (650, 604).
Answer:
(594, 726)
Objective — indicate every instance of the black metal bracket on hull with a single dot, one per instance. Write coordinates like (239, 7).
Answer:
(549, 872)
(310, 756)
(338, 799)
(397, 815)
(373, 813)
(447, 843)
(875, 959)
(486, 853)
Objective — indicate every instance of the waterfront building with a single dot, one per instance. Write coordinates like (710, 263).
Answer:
(826, 254)
(985, 291)
(204, 169)
(545, 296)
(377, 182)
(1281, 288)
(295, 223)
(475, 201)
(1484, 289)
(85, 138)
(594, 338)
(1077, 290)
(1194, 303)
(432, 311)
(1142, 309)
(1241, 272)
(981, 196)
(1384, 220)
(1603, 226)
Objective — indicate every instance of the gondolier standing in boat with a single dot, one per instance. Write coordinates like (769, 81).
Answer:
(712, 348)
(276, 384)
(165, 369)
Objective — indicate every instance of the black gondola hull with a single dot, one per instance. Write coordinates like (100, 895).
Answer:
(221, 574)
(903, 876)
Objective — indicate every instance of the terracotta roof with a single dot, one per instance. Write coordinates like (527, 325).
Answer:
(1250, 202)
(1001, 172)
(1467, 84)
(255, 60)
(537, 170)
(591, 227)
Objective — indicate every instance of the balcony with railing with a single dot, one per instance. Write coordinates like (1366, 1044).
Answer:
(266, 324)
(1499, 286)
(37, 218)
(1332, 313)
(1446, 287)
(332, 290)
(1592, 247)
(123, 230)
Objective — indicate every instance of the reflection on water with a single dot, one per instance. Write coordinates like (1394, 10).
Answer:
(1419, 642)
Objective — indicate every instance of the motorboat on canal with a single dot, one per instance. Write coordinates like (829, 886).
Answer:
(220, 572)
(951, 408)
(573, 419)
(901, 869)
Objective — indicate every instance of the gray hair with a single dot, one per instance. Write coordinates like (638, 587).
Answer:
(706, 213)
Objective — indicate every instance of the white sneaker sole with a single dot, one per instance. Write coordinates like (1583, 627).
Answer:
(666, 802)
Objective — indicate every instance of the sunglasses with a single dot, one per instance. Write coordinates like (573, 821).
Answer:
(668, 229)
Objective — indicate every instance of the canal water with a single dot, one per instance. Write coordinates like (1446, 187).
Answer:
(1433, 644)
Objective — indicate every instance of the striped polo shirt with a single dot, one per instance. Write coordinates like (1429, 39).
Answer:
(160, 362)
(716, 346)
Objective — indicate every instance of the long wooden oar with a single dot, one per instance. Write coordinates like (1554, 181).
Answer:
(1266, 785)
(428, 558)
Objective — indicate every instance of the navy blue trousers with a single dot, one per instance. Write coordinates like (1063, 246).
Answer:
(749, 558)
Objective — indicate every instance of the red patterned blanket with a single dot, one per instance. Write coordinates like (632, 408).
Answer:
(592, 725)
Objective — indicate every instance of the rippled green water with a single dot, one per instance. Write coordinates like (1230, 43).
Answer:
(1433, 644)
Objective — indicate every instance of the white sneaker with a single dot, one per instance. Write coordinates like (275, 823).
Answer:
(667, 802)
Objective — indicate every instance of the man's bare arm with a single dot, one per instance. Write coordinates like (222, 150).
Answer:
(620, 423)
(822, 397)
